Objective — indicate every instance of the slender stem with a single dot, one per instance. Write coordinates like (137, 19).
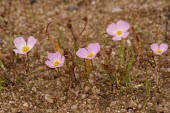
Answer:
(74, 76)
(26, 64)
(158, 70)
(85, 19)
(49, 37)
(121, 53)
(85, 68)
(91, 64)
(92, 70)
(72, 58)
(27, 59)
(147, 81)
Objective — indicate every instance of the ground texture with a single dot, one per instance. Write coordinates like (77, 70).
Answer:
(41, 90)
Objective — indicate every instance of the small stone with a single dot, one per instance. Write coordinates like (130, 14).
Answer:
(113, 103)
(91, 81)
(95, 90)
(11, 102)
(139, 106)
(123, 111)
(132, 104)
(72, 8)
(26, 105)
(129, 43)
(168, 69)
(83, 96)
(34, 89)
(116, 9)
(93, 2)
(63, 98)
(113, 54)
(74, 106)
(87, 88)
(48, 98)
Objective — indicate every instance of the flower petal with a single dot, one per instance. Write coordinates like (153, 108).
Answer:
(111, 29)
(82, 53)
(19, 42)
(125, 34)
(31, 42)
(93, 47)
(122, 25)
(62, 61)
(49, 64)
(18, 51)
(164, 47)
(116, 38)
(57, 55)
(54, 56)
(154, 47)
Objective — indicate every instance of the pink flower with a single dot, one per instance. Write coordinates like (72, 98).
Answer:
(118, 30)
(158, 50)
(22, 46)
(55, 60)
(90, 52)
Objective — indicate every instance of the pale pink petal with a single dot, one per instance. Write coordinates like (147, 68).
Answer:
(62, 61)
(54, 56)
(57, 55)
(164, 47)
(82, 53)
(51, 57)
(31, 42)
(19, 42)
(154, 47)
(125, 34)
(111, 29)
(122, 25)
(18, 51)
(49, 64)
(93, 47)
(116, 38)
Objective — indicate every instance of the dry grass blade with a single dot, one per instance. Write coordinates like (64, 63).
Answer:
(138, 44)
(55, 45)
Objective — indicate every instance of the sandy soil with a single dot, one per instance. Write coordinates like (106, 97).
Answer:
(41, 90)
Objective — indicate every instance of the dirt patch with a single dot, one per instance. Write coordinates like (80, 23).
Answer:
(41, 90)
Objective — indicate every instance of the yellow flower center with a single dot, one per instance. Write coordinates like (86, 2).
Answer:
(25, 49)
(90, 54)
(56, 63)
(119, 32)
(159, 51)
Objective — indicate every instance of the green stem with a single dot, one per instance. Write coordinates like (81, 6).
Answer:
(27, 66)
(121, 53)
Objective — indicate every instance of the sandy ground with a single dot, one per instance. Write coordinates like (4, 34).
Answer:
(41, 90)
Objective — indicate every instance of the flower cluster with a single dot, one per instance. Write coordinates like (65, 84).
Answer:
(118, 31)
